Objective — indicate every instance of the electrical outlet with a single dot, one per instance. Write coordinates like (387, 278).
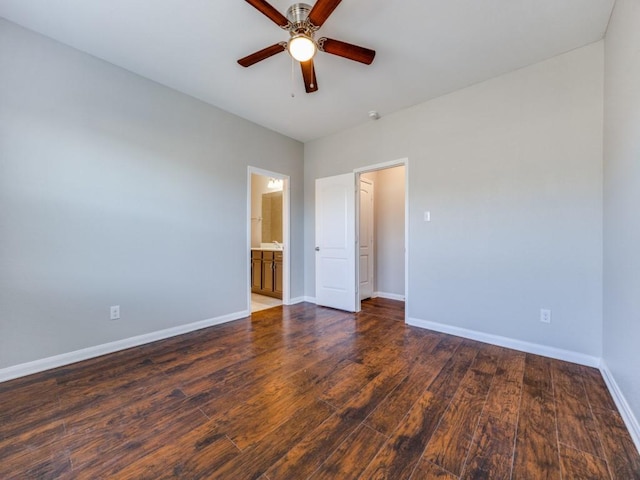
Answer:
(115, 312)
(545, 315)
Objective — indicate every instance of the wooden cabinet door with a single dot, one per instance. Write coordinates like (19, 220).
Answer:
(256, 275)
(267, 275)
(277, 274)
(267, 271)
(256, 271)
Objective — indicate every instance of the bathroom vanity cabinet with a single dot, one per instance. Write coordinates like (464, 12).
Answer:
(266, 272)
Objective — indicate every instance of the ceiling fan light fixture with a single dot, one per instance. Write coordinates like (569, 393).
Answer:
(302, 22)
(302, 48)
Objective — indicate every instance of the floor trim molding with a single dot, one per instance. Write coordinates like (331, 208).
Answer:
(629, 418)
(296, 300)
(36, 366)
(535, 348)
(390, 296)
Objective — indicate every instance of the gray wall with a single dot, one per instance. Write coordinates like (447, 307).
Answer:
(511, 170)
(621, 201)
(115, 190)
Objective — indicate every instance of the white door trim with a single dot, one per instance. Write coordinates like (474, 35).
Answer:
(372, 168)
(286, 232)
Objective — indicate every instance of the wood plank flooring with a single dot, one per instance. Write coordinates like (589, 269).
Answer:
(306, 392)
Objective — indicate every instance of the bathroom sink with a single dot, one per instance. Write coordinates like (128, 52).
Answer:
(270, 246)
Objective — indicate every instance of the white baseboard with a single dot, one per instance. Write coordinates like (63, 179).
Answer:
(535, 348)
(310, 299)
(390, 296)
(629, 418)
(296, 300)
(48, 363)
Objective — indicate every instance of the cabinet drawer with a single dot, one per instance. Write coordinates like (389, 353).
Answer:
(267, 255)
(256, 254)
(277, 256)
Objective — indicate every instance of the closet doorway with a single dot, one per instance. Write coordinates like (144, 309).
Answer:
(381, 233)
(380, 266)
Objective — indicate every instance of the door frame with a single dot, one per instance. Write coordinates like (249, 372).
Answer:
(372, 168)
(286, 232)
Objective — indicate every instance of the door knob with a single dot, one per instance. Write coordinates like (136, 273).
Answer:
(317, 249)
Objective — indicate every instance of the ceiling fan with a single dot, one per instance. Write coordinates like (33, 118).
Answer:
(302, 22)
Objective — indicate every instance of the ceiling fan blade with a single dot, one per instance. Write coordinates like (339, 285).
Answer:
(321, 11)
(347, 50)
(268, 10)
(309, 76)
(262, 54)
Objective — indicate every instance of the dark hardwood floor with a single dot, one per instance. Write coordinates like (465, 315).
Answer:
(308, 392)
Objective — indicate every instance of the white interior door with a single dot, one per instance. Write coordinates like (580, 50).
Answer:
(335, 242)
(365, 238)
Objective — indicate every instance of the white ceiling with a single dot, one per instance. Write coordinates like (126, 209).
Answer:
(425, 48)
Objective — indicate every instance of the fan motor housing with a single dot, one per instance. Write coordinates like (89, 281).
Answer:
(298, 13)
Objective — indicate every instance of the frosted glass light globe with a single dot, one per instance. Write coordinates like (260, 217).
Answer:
(302, 48)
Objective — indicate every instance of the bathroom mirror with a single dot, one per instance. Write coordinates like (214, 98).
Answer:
(272, 217)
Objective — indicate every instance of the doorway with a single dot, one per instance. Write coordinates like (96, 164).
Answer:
(267, 239)
(354, 258)
(381, 222)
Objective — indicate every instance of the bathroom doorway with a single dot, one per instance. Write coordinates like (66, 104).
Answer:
(268, 234)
